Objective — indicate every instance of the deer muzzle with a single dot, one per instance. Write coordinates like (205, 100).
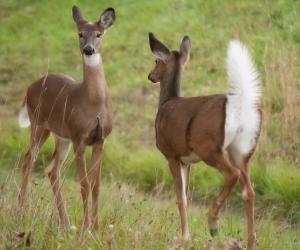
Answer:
(151, 78)
(88, 50)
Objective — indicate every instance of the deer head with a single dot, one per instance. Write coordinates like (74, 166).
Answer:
(91, 33)
(167, 62)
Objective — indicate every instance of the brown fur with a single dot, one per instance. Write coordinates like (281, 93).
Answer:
(80, 113)
(190, 129)
(182, 122)
(60, 105)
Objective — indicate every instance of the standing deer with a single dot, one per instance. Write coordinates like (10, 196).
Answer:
(204, 128)
(80, 114)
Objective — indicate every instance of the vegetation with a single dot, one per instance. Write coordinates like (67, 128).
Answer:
(129, 220)
(137, 205)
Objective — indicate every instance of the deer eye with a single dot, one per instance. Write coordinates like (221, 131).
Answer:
(80, 34)
(156, 61)
(98, 35)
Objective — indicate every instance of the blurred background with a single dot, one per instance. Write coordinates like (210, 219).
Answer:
(37, 37)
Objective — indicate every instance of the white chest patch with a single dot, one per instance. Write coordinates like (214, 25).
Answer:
(92, 60)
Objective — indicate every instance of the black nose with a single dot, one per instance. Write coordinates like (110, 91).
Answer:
(88, 50)
(151, 78)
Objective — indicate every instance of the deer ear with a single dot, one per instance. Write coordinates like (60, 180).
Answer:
(158, 48)
(76, 14)
(107, 18)
(185, 49)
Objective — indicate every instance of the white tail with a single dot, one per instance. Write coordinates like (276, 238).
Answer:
(242, 115)
(24, 121)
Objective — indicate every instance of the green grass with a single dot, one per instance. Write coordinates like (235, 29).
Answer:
(40, 36)
(129, 220)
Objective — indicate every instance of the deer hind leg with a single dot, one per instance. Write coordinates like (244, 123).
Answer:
(180, 175)
(248, 193)
(231, 176)
(53, 170)
(37, 138)
(97, 155)
(79, 150)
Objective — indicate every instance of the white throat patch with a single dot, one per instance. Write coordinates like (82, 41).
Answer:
(92, 60)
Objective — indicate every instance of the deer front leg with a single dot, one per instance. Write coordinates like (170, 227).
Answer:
(53, 171)
(84, 183)
(179, 174)
(97, 155)
(187, 170)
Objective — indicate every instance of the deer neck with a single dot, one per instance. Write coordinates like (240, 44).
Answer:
(94, 82)
(170, 86)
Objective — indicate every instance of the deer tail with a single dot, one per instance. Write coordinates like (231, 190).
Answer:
(243, 98)
(24, 121)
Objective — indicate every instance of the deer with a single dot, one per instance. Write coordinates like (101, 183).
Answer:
(221, 130)
(77, 114)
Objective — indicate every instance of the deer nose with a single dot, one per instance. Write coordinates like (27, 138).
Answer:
(88, 50)
(151, 78)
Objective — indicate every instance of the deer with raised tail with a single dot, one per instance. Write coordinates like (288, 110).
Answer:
(206, 128)
(77, 114)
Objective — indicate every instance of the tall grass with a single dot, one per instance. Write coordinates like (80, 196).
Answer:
(280, 135)
(129, 219)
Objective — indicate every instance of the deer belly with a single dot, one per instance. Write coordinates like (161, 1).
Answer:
(190, 158)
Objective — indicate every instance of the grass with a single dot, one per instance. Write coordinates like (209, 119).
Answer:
(129, 220)
(40, 36)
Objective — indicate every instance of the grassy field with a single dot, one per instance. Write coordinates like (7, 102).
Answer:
(129, 220)
(138, 210)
